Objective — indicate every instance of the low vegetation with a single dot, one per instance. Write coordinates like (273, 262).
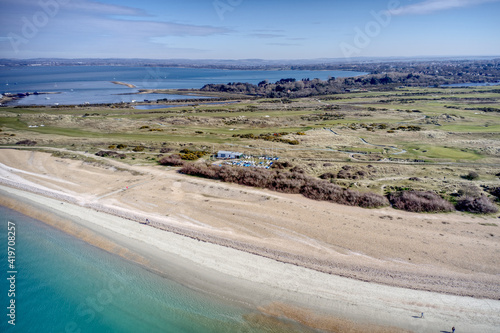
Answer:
(287, 182)
(479, 205)
(172, 160)
(192, 155)
(26, 143)
(275, 137)
(419, 202)
(110, 153)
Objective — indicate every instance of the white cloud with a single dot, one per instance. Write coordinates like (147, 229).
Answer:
(430, 6)
(82, 6)
(93, 18)
(140, 28)
(266, 35)
(104, 9)
(282, 44)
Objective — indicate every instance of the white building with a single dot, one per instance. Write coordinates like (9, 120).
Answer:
(228, 154)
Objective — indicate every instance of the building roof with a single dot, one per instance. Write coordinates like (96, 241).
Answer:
(228, 152)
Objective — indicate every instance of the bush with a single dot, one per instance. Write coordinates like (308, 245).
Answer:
(172, 160)
(472, 175)
(344, 174)
(281, 165)
(165, 150)
(328, 175)
(297, 169)
(287, 182)
(109, 153)
(26, 143)
(138, 148)
(419, 201)
(189, 157)
(192, 155)
(121, 146)
(469, 191)
(496, 192)
(480, 205)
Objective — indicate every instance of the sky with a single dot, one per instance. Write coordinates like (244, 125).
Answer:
(248, 29)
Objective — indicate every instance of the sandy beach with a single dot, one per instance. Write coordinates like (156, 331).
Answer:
(326, 265)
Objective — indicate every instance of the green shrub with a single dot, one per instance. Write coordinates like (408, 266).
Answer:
(189, 157)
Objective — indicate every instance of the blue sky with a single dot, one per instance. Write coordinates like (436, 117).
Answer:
(245, 29)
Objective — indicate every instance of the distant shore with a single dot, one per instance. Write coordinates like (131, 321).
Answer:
(9, 97)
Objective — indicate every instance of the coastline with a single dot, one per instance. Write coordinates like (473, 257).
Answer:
(395, 248)
(315, 299)
(279, 270)
(9, 97)
(483, 286)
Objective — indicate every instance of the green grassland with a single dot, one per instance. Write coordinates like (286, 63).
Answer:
(400, 133)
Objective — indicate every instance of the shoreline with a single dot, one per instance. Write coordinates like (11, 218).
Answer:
(315, 299)
(481, 286)
(7, 98)
(277, 257)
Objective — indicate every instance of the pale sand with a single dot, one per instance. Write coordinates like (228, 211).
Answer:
(372, 255)
(124, 84)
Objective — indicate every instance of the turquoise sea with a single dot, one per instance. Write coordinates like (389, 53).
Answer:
(81, 84)
(66, 285)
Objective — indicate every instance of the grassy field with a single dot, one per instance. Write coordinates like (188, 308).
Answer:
(434, 134)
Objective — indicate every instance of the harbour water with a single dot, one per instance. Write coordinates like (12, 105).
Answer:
(66, 285)
(93, 84)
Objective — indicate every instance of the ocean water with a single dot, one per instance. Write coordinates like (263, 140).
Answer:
(81, 84)
(66, 285)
